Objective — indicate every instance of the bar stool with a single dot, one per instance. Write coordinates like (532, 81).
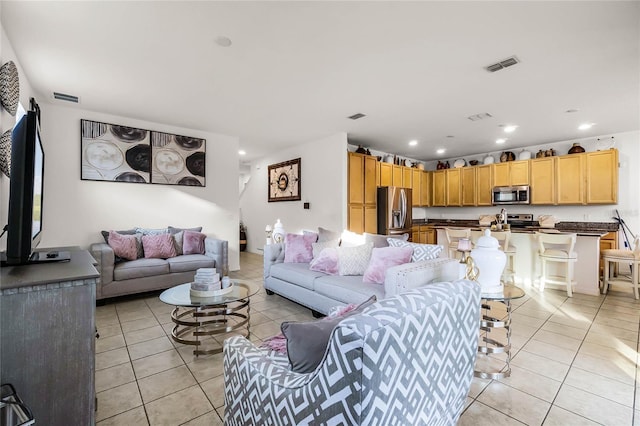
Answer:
(557, 248)
(453, 236)
(628, 257)
(503, 238)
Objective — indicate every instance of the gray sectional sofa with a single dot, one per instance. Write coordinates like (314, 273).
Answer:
(140, 275)
(320, 292)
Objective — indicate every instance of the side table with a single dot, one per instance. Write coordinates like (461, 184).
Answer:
(196, 317)
(490, 324)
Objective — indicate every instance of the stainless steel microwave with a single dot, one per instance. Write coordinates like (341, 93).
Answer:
(511, 195)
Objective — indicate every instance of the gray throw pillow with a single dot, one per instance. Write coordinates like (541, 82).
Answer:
(381, 240)
(307, 341)
(326, 235)
(174, 230)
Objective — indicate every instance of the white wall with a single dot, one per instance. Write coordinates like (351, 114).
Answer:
(628, 145)
(75, 211)
(323, 169)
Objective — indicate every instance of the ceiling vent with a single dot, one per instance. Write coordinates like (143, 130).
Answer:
(502, 64)
(356, 116)
(481, 116)
(65, 97)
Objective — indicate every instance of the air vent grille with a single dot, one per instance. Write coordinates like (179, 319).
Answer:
(65, 97)
(481, 116)
(356, 116)
(512, 60)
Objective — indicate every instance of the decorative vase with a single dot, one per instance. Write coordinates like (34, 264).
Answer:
(490, 261)
(576, 149)
(361, 150)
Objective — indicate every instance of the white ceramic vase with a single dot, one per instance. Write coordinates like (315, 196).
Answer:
(490, 261)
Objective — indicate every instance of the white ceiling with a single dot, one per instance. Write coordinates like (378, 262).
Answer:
(296, 70)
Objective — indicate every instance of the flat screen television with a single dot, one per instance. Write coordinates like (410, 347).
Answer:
(24, 228)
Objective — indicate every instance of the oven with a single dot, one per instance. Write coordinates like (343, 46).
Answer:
(510, 195)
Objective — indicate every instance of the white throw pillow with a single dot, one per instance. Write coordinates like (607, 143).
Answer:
(319, 246)
(420, 251)
(351, 239)
(354, 260)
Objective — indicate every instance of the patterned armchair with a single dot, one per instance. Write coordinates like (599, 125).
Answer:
(405, 360)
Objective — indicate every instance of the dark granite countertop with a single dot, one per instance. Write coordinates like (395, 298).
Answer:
(581, 228)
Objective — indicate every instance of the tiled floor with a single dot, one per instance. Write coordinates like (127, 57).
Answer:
(574, 362)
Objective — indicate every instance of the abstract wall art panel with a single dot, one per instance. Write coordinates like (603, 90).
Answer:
(177, 160)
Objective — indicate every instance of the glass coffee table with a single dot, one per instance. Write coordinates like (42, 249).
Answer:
(197, 317)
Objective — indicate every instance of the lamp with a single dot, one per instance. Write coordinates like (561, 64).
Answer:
(278, 232)
(464, 247)
(267, 231)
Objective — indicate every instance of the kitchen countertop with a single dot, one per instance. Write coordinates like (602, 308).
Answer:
(595, 229)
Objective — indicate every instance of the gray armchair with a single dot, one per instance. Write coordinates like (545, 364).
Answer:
(407, 359)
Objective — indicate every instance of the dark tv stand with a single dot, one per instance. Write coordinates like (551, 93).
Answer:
(38, 257)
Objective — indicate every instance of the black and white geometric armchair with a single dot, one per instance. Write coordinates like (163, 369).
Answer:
(406, 360)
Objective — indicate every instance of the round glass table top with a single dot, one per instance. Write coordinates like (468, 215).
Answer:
(508, 292)
(180, 295)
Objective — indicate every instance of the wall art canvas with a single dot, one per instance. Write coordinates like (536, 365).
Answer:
(284, 181)
(114, 153)
(177, 160)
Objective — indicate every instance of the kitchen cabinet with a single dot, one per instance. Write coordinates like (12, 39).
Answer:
(543, 183)
(469, 186)
(361, 193)
(416, 187)
(454, 187)
(396, 177)
(407, 181)
(484, 189)
(415, 234)
(427, 235)
(570, 179)
(439, 192)
(425, 189)
(602, 177)
(386, 173)
(511, 173)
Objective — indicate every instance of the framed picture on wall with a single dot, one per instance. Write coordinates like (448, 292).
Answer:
(114, 153)
(284, 181)
(177, 160)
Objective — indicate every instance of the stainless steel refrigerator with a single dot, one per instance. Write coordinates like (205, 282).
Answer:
(394, 210)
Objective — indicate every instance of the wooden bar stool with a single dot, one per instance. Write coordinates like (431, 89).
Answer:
(628, 257)
(557, 248)
(453, 236)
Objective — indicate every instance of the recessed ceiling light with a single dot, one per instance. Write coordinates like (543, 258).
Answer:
(441, 151)
(585, 126)
(509, 128)
(501, 140)
(450, 136)
(413, 143)
(223, 41)
(242, 152)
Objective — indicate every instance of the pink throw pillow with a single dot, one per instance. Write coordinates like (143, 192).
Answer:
(193, 242)
(124, 246)
(327, 262)
(299, 248)
(382, 259)
(158, 246)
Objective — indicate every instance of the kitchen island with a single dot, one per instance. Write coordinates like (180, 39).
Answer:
(527, 264)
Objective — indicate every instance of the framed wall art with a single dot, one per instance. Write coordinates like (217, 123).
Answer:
(284, 181)
(114, 153)
(177, 160)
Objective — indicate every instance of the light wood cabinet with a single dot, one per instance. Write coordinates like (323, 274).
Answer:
(570, 179)
(415, 234)
(407, 177)
(362, 193)
(602, 177)
(425, 189)
(454, 187)
(416, 187)
(511, 173)
(427, 235)
(469, 186)
(396, 178)
(543, 185)
(484, 188)
(439, 191)
(386, 173)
